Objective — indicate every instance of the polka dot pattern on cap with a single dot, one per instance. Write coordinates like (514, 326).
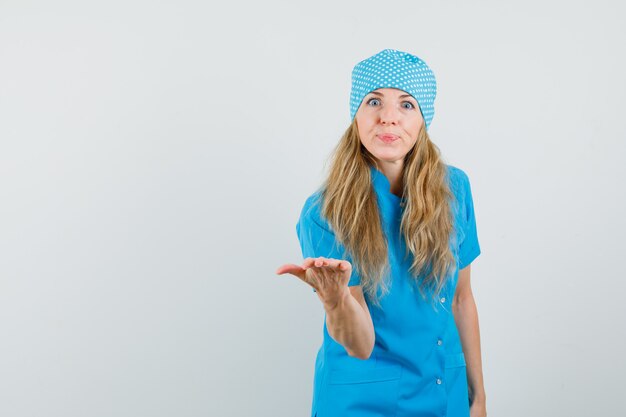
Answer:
(391, 68)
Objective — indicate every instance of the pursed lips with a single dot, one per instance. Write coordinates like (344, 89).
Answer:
(387, 136)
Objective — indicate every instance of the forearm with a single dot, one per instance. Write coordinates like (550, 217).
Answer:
(466, 318)
(351, 326)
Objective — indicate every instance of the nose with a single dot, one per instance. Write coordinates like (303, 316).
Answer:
(388, 115)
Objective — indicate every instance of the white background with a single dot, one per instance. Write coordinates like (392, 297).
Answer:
(155, 155)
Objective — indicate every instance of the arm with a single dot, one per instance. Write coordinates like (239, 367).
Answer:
(466, 318)
(348, 319)
(350, 323)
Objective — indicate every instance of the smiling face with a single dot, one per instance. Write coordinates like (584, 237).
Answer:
(388, 121)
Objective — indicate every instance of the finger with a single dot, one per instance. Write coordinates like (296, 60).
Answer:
(321, 261)
(312, 262)
(292, 269)
(336, 264)
(329, 263)
(308, 262)
(284, 269)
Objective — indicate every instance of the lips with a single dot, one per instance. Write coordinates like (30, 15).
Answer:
(387, 137)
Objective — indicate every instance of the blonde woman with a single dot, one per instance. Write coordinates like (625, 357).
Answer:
(388, 240)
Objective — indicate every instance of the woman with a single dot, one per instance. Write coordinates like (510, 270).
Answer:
(388, 241)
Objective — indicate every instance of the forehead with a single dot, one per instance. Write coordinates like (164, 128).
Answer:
(389, 92)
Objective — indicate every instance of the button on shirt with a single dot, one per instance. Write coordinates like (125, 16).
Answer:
(417, 366)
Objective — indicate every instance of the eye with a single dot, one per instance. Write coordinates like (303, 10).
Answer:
(409, 103)
(372, 99)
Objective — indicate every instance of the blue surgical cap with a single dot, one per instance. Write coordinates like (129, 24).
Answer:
(395, 69)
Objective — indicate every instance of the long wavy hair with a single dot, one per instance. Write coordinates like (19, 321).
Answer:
(350, 206)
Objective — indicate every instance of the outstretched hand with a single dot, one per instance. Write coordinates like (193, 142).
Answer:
(329, 277)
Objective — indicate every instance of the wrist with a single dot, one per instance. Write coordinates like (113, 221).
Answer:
(339, 302)
(479, 397)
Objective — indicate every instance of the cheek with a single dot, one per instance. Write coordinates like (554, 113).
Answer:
(364, 126)
(415, 127)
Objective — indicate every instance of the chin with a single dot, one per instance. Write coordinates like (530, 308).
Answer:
(388, 158)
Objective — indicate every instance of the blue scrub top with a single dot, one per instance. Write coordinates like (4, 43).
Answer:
(417, 367)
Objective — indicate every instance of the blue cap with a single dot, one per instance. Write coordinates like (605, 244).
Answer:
(395, 69)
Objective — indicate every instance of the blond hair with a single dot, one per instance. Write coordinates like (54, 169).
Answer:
(350, 206)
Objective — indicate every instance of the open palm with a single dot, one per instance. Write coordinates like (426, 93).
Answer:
(329, 277)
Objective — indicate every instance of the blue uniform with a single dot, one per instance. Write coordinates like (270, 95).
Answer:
(417, 367)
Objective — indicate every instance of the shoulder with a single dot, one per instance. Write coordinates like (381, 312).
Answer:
(312, 207)
(458, 179)
(312, 210)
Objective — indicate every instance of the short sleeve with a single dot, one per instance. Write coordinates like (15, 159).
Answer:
(469, 248)
(317, 239)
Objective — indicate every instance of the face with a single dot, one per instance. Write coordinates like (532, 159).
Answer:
(389, 121)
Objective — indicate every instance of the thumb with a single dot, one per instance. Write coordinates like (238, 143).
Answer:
(292, 269)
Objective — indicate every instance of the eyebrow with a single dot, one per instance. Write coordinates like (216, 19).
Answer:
(402, 96)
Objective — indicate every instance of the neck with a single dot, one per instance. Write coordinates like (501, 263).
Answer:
(393, 172)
